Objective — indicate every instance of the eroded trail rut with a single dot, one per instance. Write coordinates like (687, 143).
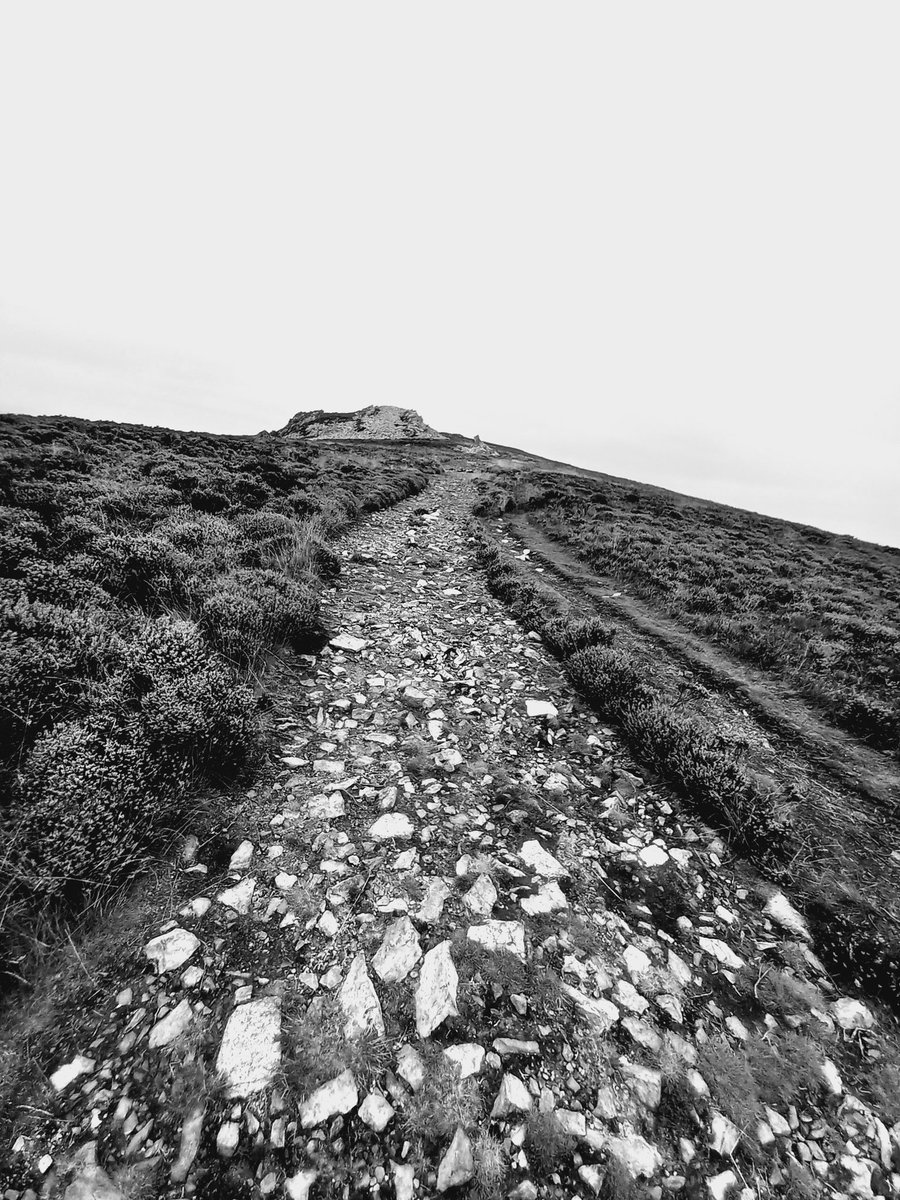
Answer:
(462, 945)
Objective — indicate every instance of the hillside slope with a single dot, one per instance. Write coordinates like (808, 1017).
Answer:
(456, 939)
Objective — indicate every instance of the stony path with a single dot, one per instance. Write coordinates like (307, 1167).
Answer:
(463, 947)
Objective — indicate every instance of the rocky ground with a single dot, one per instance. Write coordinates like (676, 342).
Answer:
(462, 945)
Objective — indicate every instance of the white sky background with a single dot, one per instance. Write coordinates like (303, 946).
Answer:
(656, 239)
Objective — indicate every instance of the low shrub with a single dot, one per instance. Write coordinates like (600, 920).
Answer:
(249, 611)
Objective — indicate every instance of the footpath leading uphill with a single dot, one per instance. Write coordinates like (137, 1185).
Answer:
(461, 945)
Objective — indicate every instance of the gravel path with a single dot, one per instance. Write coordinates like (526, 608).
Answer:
(462, 944)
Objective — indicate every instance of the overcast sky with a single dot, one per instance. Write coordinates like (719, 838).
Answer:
(656, 239)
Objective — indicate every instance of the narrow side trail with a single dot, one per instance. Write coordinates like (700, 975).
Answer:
(460, 946)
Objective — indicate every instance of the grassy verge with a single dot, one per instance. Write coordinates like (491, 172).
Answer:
(860, 941)
(708, 775)
(146, 575)
(819, 611)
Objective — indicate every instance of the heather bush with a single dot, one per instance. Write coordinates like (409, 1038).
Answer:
(143, 569)
(248, 611)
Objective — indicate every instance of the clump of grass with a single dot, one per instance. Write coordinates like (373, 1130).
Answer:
(417, 759)
(729, 1076)
(546, 1142)
(618, 1183)
(444, 1102)
(784, 1066)
(490, 1165)
(315, 1049)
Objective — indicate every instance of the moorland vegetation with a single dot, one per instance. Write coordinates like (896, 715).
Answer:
(819, 611)
(145, 575)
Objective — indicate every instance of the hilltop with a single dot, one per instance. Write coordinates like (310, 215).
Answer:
(378, 421)
(383, 820)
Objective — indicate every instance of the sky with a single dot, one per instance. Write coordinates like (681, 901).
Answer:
(659, 240)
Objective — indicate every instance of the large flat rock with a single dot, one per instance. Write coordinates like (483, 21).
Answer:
(250, 1052)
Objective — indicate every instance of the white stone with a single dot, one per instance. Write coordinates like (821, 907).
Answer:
(500, 937)
(720, 1185)
(250, 1053)
(653, 855)
(513, 1096)
(636, 962)
(375, 1111)
(332, 1099)
(297, 1187)
(391, 826)
(541, 861)
(481, 896)
(404, 1180)
(436, 892)
(238, 897)
(346, 641)
(227, 1138)
(171, 1026)
(593, 1176)
(780, 1127)
(723, 953)
(556, 784)
(241, 857)
(540, 708)
(644, 1083)
(458, 1164)
(468, 1056)
(359, 1002)
(783, 913)
(600, 1014)
(171, 950)
(832, 1077)
(636, 1154)
(399, 951)
(548, 899)
(724, 1135)
(411, 1066)
(852, 1014)
(672, 1005)
(328, 923)
(436, 990)
(70, 1071)
(285, 882)
(326, 808)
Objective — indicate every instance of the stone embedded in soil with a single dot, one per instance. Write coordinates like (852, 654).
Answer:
(349, 643)
(852, 1014)
(506, 1047)
(639, 1157)
(297, 1187)
(326, 808)
(500, 937)
(481, 896)
(436, 893)
(359, 1002)
(780, 910)
(599, 1013)
(375, 1111)
(171, 1026)
(398, 953)
(468, 1056)
(238, 897)
(513, 1096)
(548, 899)
(411, 1066)
(241, 857)
(91, 1183)
(723, 1135)
(391, 826)
(653, 855)
(722, 953)
(458, 1164)
(171, 950)
(404, 1181)
(720, 1185)
(191, 1133)
(227, 1138)
(540, 708)
(70, 1071)
(250, 1053)
(436, 990)
(332, 1099)
(541, 861)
